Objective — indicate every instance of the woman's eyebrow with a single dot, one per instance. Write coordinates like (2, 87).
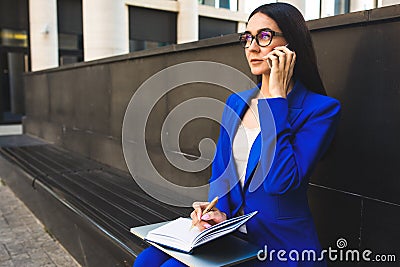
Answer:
(259, 30)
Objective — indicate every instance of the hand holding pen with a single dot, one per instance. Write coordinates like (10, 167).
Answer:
(206, 214)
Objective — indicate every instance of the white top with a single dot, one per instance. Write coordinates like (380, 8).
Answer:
(242, 143)
(241, 147)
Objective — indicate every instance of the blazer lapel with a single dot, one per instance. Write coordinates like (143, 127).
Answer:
(295, 101)
(236, 113)
(254, 158)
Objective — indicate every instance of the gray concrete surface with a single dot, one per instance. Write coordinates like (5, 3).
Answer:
(10, 129)
(24, 241)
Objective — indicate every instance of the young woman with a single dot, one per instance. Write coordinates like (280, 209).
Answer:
(264, 160)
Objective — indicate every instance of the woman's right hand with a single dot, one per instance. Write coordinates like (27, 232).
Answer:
(281, 61)
(203, 221)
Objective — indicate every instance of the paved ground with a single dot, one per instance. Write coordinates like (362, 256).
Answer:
(23, 239)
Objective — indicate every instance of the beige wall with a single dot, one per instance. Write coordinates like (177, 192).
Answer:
(43, 34)
(105, 28)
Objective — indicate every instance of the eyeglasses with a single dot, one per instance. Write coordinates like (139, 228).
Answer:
(263, 37)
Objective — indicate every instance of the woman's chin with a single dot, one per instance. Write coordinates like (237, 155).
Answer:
(260, 71)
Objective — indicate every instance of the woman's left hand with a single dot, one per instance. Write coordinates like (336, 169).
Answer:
(281, 61)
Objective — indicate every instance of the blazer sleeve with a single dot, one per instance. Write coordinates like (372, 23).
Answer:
(296, 153)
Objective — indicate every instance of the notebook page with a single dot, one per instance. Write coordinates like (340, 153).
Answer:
(179, 230)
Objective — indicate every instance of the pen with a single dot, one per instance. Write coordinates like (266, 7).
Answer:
(209, 207)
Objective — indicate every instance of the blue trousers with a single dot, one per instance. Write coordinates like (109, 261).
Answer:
(153, 257)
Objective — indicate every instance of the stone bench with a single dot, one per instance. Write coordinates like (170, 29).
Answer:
(89, 207)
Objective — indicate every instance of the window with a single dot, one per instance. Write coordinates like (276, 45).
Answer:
(228, 4)
(70, 37)
(342, 6)
(210, 27)
(150, 28)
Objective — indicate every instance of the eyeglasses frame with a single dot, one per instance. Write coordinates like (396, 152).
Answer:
(273, 33)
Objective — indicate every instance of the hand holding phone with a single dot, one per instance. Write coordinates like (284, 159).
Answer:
(281, 61)
(269, 60)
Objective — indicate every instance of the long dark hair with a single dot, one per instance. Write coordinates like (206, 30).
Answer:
(296, 33)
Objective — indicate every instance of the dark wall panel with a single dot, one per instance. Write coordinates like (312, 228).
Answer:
(152, 25)
(337, 215)
(380, 230)
(62, 98)
(126, 79)
(359, 66)
(210, 27)
(69, 13)
(14, 14)
(37, 98)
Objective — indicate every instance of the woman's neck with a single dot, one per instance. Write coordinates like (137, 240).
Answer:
(264, 90)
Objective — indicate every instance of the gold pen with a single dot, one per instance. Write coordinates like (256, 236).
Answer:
(209, 207)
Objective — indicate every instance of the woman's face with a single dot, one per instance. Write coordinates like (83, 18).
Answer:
(254, 53)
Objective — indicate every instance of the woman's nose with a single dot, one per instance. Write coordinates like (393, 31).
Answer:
(254, 47)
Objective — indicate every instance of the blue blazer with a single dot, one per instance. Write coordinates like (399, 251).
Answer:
(295, 133)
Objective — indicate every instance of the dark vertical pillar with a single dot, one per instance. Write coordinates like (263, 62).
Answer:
(15, 70)
(2, 83)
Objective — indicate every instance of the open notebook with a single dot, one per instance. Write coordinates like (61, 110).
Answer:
(178, 234)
